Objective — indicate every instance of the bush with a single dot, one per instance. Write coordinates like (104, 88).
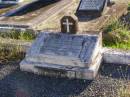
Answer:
(116, 35)
(11, 53)
(129, 7)
(22, 35)
(26, 36)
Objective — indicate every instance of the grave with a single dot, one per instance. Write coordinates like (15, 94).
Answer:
(33, 13)
(91, 8)
(10, 1)
(78, 55)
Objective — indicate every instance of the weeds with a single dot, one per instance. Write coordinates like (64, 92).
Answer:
(124, 91)
(22, 35)
(10, 53)
(129, 7)
(116, 35)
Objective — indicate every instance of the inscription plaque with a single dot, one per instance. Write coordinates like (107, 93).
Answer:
(91, 7)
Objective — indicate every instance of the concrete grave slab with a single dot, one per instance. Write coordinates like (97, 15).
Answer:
(71, 53)
(92, 8)
(10, 1)
(36, 13)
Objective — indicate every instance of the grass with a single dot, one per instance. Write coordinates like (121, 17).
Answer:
(124, 91)
(10, 54)
(129, 7)
(116, 35)
(20, 35)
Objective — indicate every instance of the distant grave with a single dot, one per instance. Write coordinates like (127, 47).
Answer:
(91, 8)
(33, 14)
(10, 1)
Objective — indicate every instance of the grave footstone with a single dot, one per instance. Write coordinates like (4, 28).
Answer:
(78, 55)
(68, 25)
(91, 8)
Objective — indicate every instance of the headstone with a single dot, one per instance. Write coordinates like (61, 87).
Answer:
(92, 8)
(68, 25)
(78, 54)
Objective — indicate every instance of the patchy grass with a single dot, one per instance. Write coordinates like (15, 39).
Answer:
(9, 54)
(124, 91)
(20, 35)
(129, 7)
(116, 35)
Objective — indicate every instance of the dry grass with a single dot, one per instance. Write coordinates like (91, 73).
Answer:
(124, 91)
(9, 54)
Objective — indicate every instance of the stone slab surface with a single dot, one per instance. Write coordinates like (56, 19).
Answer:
(116, 56)
(72, 50)
(87, 5)
(66, 52)
(79, 73)
(51, 12)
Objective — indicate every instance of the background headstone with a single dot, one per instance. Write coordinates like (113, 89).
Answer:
(91, 8)
(68, 25)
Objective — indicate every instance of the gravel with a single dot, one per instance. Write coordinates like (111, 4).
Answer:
(16, 83)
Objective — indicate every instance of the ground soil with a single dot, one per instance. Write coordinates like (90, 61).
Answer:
(15, 83)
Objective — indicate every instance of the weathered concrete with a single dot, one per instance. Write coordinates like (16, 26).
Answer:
(78, 54)
(80, 73)
(21, 6)
(34, 22)
(10, 1)
(115, 11)
(116, 56)
(91, 8)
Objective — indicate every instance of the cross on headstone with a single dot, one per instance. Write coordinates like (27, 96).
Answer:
(68, 25)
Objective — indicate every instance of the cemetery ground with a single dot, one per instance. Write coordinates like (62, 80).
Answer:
(31, 11)
(34, 13)
(113, 80)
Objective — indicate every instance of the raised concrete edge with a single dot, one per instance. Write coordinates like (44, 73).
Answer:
(116, 56)
(85, 73)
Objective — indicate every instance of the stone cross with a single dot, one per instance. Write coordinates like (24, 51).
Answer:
(67, 23)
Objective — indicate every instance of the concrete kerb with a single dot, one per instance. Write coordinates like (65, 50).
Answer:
(116, 56)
